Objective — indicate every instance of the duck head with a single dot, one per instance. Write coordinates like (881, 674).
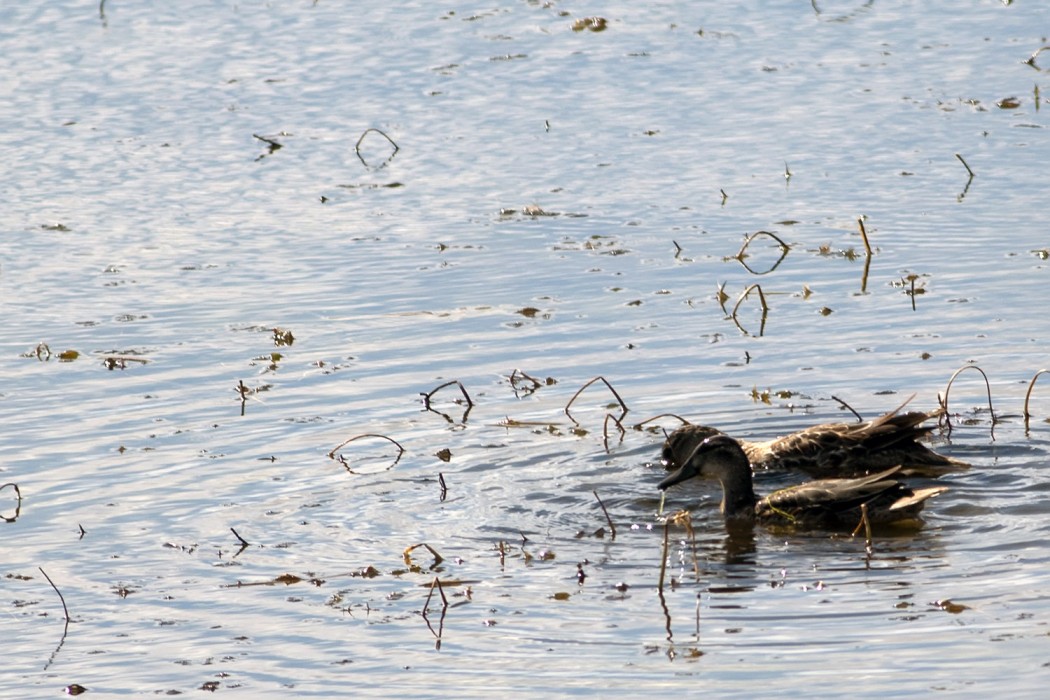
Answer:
(715, 456)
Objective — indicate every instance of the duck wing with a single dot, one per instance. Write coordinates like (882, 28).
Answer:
(842, 449)
(829, 500)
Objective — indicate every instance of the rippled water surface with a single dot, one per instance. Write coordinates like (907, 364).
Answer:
(482, 203)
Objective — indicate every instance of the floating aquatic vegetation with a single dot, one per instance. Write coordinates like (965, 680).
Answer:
(282, 337)
(272, 145)
(767, 395)
(283, 579)
(523, 384)
(950, 607)
(911, 286)
(593, 24)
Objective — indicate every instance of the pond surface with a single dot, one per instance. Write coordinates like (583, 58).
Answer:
(238, 236)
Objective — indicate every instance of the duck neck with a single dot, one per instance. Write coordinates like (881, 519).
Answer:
(738, 495)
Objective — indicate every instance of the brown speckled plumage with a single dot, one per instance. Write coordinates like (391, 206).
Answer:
(826, 503)
(834, 449)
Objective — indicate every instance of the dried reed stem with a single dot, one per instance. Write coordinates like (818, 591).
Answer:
(988, 389)
(612, 528)
(581, 390)
(864, 237)
(1027, 397)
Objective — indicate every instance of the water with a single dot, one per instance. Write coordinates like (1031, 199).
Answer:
(148, 227)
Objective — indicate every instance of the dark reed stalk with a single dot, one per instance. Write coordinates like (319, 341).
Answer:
(608, 519)
(988, 388)
(1027, 397)
(581, 390)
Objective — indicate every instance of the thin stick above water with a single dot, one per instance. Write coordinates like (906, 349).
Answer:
(612, 528)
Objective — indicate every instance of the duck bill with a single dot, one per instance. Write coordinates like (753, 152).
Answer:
(686, 472)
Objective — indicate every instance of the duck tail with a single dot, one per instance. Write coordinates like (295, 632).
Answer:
(917, 497)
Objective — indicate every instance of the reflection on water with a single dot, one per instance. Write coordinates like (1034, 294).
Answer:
(317, 400)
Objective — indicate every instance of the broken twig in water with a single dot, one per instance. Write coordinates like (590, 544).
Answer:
(244, 542)
(346, 465)
(847, 407)
(18, 502)
(864, 523)
(517, 376)
(60, 596)
(1027, 397)
(408, 551)
(639, 426)
(864, 236)
(581, 390)
(740, 255)
(429, 395)
(605, 429)
(612, 528)
(444, 609)
(946, 416)
(360, 140)
(764, 305)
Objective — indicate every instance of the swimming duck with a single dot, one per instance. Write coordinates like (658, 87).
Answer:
(825, 503)
(834, 449)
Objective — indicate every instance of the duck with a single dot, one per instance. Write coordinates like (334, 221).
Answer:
(824, 503)
(834, 449)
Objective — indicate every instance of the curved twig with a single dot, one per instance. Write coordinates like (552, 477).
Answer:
(65, 629)
(848, 408)
(944, 403)
(638, 426)
(18, 502)
(427, 396)
(444, 609)
(580, 391)
(357, 146)
(517, 376)
(1027, 396)
(605, 429)
(408, 550)
(765, 308)
(342, 460)
(1034, 56)
(739, 257)
(612, 528)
